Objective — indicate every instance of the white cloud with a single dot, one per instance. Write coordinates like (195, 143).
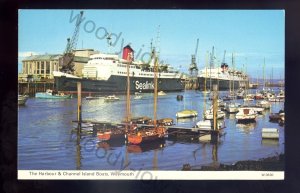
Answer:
(26, 54)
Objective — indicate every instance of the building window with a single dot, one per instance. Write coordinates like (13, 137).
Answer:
(47, 67)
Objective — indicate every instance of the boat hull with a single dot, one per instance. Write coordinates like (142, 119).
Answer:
(117, 84)
(136, 139)
(48, 96)
(223, 84)
(110, 136)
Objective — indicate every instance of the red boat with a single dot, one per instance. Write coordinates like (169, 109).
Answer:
(114, 133)
(147, 134)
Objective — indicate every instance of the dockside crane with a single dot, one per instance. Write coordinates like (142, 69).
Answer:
(66, 61)
(193, 69)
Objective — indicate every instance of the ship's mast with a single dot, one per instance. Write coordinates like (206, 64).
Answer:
(155, 68)
(128, 113)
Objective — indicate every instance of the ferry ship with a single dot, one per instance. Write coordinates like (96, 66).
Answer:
(107, 73)
(225, 77)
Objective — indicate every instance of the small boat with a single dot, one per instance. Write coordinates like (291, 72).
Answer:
(138, 96)
(270, 133)
(281, 120)
(186, 114)
(50, 94)
(161, 93)
(209, 114)
(246, 114)
(112, 133)
(249, 97)
(255, 108)
(232, 107)
(146, 134)
(240, 93)
(93, 97)
(179, 97)
(22, 99)
(275, 117)
(281, 95)
(205, 91)
(111, 98)
(258, 96)
(208, 124)
(165, 122)
(265, 104)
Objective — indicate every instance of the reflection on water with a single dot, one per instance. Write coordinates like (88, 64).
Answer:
(44, 133)
(246, 126)
(156, 145)
(270, 142)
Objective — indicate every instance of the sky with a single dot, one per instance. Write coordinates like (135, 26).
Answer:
(254, 36)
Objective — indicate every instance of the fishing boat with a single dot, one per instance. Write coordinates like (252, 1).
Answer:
(149, 133)
(22, 99)
(111, 98)
(245, 114)
(50, 94)
(112, 133)
(221, 76)
(106, 73)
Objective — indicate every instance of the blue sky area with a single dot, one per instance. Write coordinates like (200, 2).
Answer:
(251, 34)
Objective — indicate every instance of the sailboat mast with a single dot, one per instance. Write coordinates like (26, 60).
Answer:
(264, 75)
(205, 72)
(233, 73)
(155, 90)
(128, 92)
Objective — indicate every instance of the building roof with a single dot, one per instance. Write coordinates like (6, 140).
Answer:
(44, 57)
(49, 57)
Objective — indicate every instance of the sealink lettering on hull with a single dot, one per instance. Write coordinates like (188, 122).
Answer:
(145, 86)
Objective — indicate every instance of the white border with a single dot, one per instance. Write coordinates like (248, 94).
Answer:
(147, 175)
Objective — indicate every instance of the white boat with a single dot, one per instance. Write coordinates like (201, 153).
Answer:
(138, 96)
(270, 133)
(186, 113)
(161, 93)
(249, 98)
(93, 97)
(111, 98)
(246, 114)
(232, 107)
(281, 95)
(51, 94)
(264, 103)
(208, 124)
(22, 99)
(209, 114)
(255, 108)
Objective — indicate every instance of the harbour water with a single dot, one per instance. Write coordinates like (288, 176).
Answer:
(46, 140)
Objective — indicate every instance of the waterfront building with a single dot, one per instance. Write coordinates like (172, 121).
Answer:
(42, 66)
